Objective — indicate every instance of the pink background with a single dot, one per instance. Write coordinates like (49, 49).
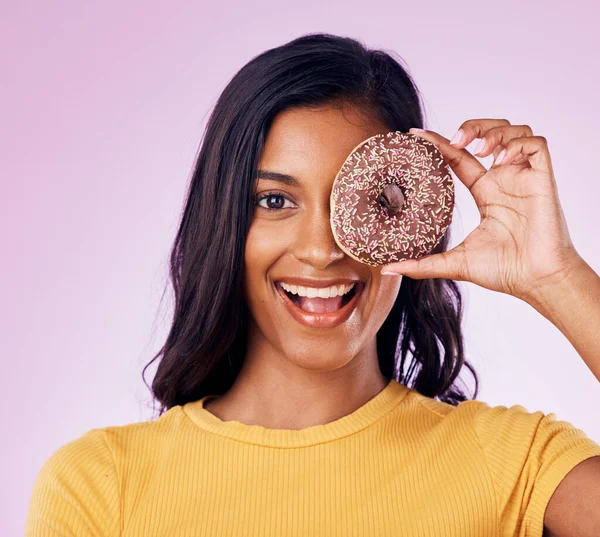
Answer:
(103, 105)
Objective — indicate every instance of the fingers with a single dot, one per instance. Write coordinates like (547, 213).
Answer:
(450, 265)
(533, 149)
(475, 128)
(497, 135)
(500, 136)
(466, 167)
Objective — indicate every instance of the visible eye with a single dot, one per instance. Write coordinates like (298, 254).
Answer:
(274, 199)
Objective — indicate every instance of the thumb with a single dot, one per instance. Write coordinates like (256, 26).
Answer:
(449, 265)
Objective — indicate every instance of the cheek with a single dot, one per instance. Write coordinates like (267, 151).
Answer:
(385, 295)
(263, 247)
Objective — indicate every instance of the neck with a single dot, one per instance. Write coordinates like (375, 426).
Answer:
(281, 395)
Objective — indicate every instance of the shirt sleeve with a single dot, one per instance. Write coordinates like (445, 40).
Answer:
(528, 455)
(76, 493)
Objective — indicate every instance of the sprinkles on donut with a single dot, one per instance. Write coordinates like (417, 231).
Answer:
(392, 199)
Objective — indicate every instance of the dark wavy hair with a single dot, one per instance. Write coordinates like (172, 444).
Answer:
(206, 344)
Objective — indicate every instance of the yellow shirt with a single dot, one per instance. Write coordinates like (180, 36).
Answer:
(400, 465)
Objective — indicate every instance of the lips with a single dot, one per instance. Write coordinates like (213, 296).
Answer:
(321, 320)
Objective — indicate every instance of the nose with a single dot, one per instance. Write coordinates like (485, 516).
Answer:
(315, 244)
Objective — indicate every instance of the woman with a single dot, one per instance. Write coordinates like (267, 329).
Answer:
(277, 420)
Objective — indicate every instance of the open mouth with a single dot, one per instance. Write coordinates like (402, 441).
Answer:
(319, 305)
(345, 299)
(318, 312)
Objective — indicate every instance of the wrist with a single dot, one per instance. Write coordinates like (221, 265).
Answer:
(548, 295)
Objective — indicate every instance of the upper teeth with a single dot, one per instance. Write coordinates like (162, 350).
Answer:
(322, 292)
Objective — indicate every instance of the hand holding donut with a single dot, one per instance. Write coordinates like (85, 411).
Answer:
(522, 241)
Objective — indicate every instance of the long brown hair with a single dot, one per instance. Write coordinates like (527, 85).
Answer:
(206, 344)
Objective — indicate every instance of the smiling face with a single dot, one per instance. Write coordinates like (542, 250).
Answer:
(290, 237)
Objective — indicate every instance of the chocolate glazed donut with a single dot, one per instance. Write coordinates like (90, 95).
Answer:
(392, 199)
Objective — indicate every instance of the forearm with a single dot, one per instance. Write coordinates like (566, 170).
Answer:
(573, 306)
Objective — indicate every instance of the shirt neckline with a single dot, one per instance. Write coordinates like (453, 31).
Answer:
(367, 414)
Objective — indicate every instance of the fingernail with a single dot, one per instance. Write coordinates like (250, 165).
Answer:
(458, 137)
(479, 147)
(414, 129)
(389, 273)
(500, 158)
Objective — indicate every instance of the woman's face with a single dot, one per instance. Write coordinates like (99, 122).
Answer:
(290, 237)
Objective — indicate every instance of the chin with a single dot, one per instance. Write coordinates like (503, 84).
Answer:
(315, 357)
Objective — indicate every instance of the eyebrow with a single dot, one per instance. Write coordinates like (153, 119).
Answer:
(280, 177)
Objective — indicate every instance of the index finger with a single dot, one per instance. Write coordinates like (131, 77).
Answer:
(466, 167)
(475, 128)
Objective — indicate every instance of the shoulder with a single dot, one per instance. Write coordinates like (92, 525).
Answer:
(144, 437)
(80, 484)
(487, 420)
(527, 454)
(88, 453)
(76, 489)
(111, 444)
(441, 411)
(501, 429)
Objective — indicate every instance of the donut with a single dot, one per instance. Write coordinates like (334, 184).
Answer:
(392, 199)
